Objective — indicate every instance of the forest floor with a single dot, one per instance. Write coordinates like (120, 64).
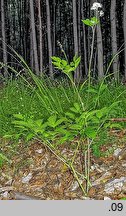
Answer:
(36, 173)
(29, 170)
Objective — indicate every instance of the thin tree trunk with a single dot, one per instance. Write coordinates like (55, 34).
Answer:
(84, 40)
(49, 38)
(4, 37)
(34, 37)
(31, 52)
(40, 36)
(100, 53)
(79, 33)
(124, 30)
(79, 38)
(76, 75)
(54, 26)
(114, 38)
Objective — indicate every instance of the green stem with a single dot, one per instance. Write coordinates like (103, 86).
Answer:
(65, 55)
(76, 176)
(75, 152)
(85, 163)
(79, 97)
(90, 61)
(91, 56)
(88, 166)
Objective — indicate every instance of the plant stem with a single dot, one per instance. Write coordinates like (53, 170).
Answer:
(91, 56)
(78, 144)
(88, 165)
(85, 162)
(79, 97)
(65, 55)
(76, 176)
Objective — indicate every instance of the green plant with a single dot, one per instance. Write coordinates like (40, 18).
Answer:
(75, 123)
(65, 66)
(83, 122)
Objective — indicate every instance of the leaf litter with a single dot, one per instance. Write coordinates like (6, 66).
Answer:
(36, 173)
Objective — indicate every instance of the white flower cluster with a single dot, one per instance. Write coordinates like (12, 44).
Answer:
(96, 6)
(101, 13)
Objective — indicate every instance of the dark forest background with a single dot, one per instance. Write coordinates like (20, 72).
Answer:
(33, 28)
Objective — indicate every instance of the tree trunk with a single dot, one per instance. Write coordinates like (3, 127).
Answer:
(31, 52)
(76, 75)
(100, 53)
(54, 26)
(34, 37)
(40, 36)
(84, 41)
(114, 38)
(4, 37)
(79, 38)
(124, 30)
(49, 38)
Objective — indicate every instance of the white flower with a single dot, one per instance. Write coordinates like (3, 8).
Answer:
(101, 14)
(96, 6)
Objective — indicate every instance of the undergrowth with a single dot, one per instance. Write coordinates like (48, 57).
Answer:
(18, 98)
